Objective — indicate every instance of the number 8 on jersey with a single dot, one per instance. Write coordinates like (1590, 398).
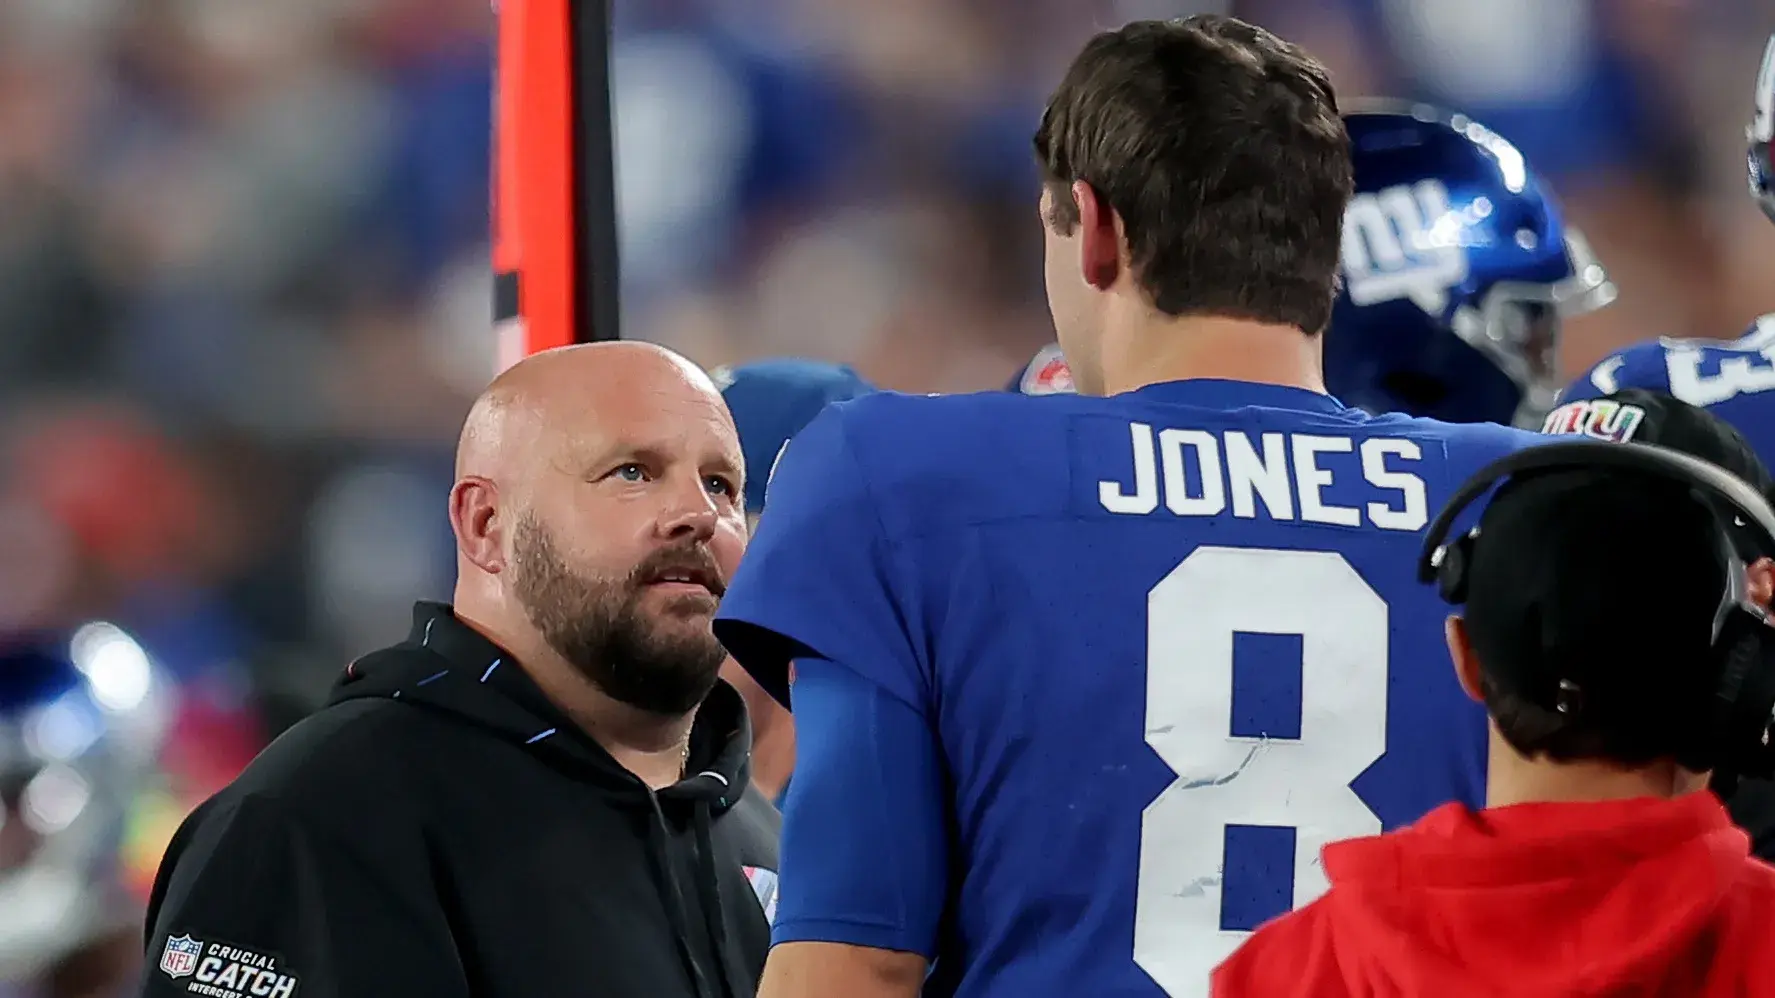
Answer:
(1232, 782)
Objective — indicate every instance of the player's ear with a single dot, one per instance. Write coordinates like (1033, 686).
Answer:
(1762, 581)
(476, 520)
(1461, 651)
(1100, 237)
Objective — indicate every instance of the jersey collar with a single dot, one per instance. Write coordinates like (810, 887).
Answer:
(1219, 393)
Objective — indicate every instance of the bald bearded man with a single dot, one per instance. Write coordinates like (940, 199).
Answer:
(544, 789)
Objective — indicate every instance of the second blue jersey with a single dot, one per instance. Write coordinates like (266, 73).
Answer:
(1733, 379)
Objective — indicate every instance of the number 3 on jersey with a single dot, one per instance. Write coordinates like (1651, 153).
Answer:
(1227, 780)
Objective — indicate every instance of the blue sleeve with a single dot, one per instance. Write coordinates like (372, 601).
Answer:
(864, 848)
(820, 579)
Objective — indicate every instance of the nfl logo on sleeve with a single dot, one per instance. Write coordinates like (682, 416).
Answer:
(179, 958)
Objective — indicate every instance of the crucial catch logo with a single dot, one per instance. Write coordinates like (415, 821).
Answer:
(218, 970)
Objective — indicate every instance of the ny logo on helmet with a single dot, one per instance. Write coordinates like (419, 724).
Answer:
(1404, 242)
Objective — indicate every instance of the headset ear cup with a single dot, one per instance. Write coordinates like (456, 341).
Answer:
(1744, 699)
(1451, 572)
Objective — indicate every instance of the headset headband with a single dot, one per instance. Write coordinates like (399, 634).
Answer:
(1717, 484)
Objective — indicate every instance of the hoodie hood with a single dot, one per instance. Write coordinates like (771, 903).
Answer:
(447, 666)
(1555, 899)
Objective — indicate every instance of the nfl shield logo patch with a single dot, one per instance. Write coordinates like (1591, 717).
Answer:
(1047, 374)
(179, 958)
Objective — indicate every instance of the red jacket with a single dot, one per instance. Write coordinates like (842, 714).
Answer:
(1640, 897)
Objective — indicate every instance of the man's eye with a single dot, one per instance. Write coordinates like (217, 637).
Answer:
(631, 473)
(720, 486)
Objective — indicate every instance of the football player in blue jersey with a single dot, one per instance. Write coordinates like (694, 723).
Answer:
(771, 400)
(1734, 379)
(1457, 270)
(1082, 684)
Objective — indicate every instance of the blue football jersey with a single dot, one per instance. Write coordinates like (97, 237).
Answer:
(1734, 379)
(1169, 643)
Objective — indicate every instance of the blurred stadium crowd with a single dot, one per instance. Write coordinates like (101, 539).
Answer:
(244, 285)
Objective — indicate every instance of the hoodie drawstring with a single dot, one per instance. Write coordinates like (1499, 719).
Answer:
(658, 835)
(709, 890)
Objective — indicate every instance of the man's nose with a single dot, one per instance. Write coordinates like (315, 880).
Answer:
(690, 513)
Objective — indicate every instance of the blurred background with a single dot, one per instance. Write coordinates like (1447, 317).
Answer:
(245, 290)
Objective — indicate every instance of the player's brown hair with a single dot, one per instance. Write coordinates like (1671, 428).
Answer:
(1221, 148)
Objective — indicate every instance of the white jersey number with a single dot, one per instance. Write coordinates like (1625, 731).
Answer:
(1303, 784)
(1747, 371)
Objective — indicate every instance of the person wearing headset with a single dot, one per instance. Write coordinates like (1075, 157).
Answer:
(1618, 641)
(1641, 415)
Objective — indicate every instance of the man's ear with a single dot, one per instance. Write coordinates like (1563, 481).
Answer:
(1100, 237)
(476, 519)
(1461, 651)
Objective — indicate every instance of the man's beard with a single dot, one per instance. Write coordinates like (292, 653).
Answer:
(599, 627)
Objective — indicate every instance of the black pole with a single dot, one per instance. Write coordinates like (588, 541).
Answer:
(594, 145)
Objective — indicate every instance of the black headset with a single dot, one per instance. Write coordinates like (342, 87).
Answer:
(1737, 736)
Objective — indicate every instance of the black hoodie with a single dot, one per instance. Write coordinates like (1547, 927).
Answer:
(440, 829)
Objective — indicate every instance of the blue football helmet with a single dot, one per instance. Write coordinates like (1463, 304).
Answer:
(771, 401)
(1457, 270)
(82, 717)
(1761, 135)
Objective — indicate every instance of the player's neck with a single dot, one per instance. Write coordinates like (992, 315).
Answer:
(651, 746)
(1512, 779)
(1153, 350)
